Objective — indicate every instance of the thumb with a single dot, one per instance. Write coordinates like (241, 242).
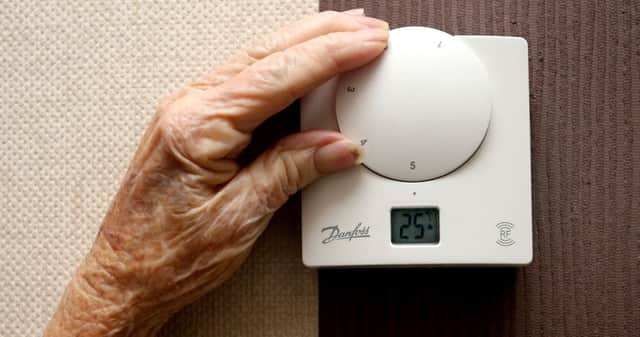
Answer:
(295, 162)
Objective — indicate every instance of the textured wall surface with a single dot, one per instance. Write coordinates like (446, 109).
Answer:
(585, 116)
(79, 80)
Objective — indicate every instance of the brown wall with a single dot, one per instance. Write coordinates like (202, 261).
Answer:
(585, 120)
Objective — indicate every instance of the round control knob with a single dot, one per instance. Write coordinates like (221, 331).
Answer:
(421, 109)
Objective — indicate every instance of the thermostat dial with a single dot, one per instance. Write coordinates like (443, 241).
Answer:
(421, 109)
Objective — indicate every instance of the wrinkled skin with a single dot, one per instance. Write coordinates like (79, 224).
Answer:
(186, 215)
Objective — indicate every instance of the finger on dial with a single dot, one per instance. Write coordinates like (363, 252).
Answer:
(303, 30)
(274, 82)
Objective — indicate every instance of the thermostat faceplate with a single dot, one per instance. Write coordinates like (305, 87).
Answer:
(422, 109)
(444, 121)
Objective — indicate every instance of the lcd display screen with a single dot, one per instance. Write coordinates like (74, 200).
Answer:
(415, 225)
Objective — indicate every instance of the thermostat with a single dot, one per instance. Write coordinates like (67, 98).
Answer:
(446, 177)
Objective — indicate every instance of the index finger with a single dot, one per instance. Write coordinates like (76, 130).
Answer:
(305, 29)
(274, 82)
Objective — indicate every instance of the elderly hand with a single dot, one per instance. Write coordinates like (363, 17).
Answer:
(186, 215)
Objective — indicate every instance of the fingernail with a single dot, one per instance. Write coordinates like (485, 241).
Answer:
(338, 156)
(374, 34)
(355, 11)
(372, 22)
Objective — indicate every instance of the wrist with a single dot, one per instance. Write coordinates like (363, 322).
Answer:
(95, 303)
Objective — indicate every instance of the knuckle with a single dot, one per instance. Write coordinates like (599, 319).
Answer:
(323, 51)
(275, 180)
(274, 71)
(289, 173)
(270, 44)
(331, 15)
(267, 195)
(169, 103)
(176, 112)
(196, 131)
(177, 121)
(258, 51)
(337, 19)
(330, 43)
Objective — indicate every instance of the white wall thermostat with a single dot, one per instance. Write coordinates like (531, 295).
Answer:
(446, 178)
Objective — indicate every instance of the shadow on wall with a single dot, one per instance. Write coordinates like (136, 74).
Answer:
(417, 302)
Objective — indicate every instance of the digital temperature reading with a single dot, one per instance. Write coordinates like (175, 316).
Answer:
(415, 225)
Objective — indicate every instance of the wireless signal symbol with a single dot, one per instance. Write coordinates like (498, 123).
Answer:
(504, 234)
